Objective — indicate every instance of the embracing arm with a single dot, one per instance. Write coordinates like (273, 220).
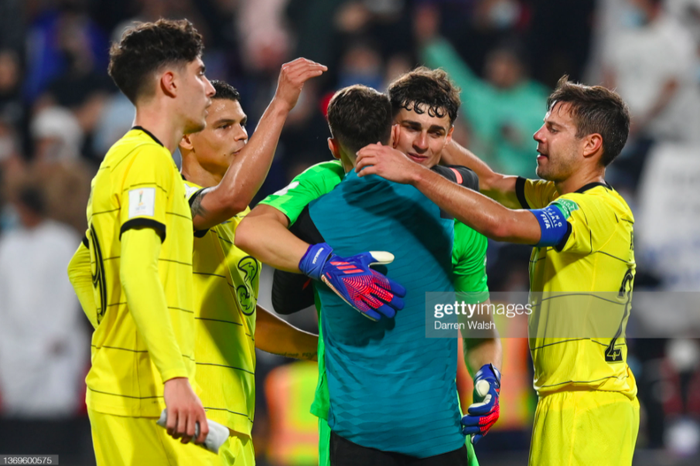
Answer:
(484, 215)
(276, 336)
(263, 234)
(249, 169)
(498, 187)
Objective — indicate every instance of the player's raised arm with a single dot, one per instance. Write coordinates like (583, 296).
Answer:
(249, 168)
(498, 187)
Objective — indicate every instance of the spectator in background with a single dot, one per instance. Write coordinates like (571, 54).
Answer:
(45, 57)
(12, 31)
(504, 110)
(652, 63)
(57, 138)
(361, 64)
(81, 86)
(558, 37)
(42, 349)
(11, 105)
(476, 26)
(11, 167)
(56, 134)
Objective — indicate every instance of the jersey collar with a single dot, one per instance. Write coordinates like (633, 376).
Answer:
(141, 128)
(585, 188)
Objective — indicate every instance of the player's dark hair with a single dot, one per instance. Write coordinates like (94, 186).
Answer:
(359, 115)
(146, 48)
(595, 109)
(225, 91)
(423, 90)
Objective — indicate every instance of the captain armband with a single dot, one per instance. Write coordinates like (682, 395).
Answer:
(553, 225)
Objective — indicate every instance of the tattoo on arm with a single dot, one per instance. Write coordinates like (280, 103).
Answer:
(196, 204)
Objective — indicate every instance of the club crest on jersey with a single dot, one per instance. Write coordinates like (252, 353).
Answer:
(246, 296)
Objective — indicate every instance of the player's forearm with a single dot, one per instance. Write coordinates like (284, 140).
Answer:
(80, 277)
(498, 187)
(146, 300)
(276, 336)
(246, 173)
(484, 215)
(263, 234)
(481, 351)
(484, 350)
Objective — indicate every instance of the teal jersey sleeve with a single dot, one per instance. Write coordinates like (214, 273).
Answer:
(313, 183)
(469, 263)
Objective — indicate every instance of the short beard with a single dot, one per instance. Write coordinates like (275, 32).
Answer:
(194, 126)
(558, 173)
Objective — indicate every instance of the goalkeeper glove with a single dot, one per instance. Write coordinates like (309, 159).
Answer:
(367, 291)
(483, 414)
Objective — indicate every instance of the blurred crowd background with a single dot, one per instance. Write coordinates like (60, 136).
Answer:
(60, 112)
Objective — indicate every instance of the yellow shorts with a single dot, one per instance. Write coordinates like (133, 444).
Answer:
(123, 440)
(237, 451)
(584, 428)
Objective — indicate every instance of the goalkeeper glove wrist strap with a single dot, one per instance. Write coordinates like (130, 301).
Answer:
(316, 256)
(489, 372)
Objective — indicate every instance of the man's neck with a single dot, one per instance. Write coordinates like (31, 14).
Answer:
(348, 159)
(155, 118)
(580, 179)
(195, 173)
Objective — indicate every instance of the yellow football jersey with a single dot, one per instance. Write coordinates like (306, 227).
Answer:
(137, 185)
(574, 286)
(226, 283)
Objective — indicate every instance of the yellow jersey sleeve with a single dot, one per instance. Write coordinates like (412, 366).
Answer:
(534, 194)
(583, 214)
(147, 303)
(143, 195)
(80, 276)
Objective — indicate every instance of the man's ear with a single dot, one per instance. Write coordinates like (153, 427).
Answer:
(448, 138)
(334, 147)
(168, 83)
(186, 142)
(394, 139)
(592, 144)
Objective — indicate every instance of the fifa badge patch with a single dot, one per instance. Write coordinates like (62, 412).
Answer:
(142, 202)
(567, 206)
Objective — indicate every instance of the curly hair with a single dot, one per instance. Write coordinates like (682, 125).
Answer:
(145, 48)
(423, 90)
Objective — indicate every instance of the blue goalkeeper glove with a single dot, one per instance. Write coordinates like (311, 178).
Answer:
(367, 291)
(485, 411)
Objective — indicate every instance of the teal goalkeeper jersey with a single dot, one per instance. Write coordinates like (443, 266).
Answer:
(468, 255)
